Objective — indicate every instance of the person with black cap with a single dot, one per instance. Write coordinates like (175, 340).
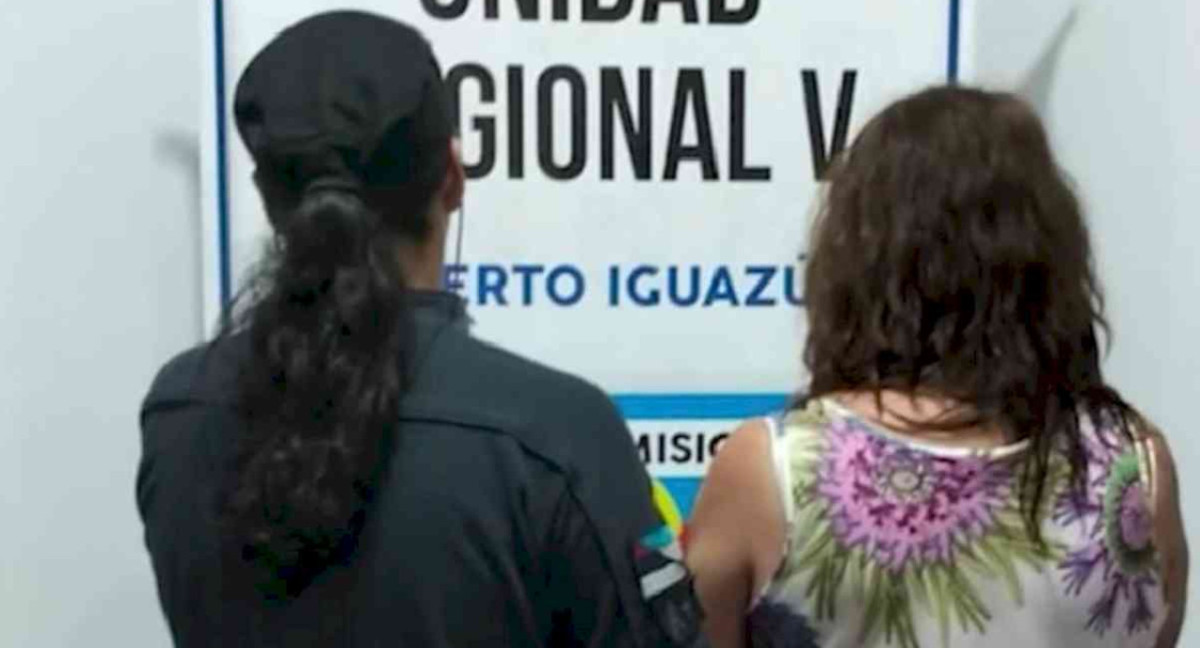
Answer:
(345, 465)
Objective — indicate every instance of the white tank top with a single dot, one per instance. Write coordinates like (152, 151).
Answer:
(896, 543)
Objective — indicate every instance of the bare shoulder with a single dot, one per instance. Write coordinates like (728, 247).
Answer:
(745, 453)
(1168, 528)
(1152, 438)
(733, 482)
(736, 533)
(739, 502)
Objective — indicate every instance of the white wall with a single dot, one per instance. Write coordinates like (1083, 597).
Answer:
(99, 284)
(1118, 83)
(99, 262)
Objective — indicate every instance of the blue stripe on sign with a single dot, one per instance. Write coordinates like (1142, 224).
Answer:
(954, 41)
(224, 265)
(684, 491)
(659, 407)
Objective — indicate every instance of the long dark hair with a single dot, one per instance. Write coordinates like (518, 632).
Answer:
(326, 317)
(951, 258)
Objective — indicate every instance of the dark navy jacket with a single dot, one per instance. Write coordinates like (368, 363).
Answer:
(514, 502)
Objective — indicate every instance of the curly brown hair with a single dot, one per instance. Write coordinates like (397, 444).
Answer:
(951, 258)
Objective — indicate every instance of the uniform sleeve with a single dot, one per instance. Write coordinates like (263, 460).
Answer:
(617, 573)
(175, 497)
(583, 596)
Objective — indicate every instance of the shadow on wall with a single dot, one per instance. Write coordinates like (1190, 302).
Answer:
(1038, 82)
(180, 150)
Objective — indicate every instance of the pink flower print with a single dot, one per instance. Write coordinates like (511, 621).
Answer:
(902, 506)
(1134, 518)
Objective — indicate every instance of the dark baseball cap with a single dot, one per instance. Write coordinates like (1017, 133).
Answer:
(343, 94)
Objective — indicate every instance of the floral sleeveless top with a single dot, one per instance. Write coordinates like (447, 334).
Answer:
(896, 543)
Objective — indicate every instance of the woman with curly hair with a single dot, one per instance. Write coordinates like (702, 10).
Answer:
(958, 473)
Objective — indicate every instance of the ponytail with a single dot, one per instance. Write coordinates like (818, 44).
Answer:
(321, 391)
(349, 154)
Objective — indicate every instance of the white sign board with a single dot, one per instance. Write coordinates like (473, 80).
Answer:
(643, 176)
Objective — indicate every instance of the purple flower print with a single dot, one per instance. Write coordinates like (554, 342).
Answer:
(1115, 513)
(902, 506)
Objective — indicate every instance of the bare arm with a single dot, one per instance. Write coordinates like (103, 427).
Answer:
(1169, 536)
(737, 533)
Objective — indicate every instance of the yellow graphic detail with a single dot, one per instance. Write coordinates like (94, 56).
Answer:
(667, 508)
